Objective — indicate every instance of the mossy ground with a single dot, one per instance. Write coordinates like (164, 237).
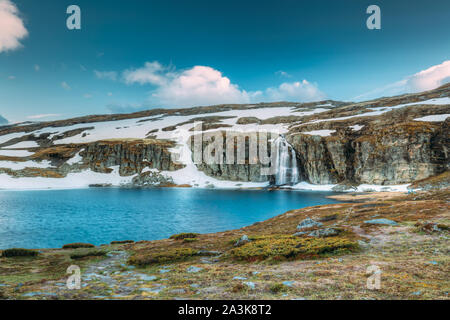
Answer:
(274, 265)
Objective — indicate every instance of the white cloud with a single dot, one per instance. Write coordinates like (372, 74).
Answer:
(11, 77)
(46, 115)
(203, 85)
(152, 73)
(65, 85)
(282, 73)
(294, 91)
(109, 94)
(87, 95)
(199, 85)
(427, 79)
(37, 67)
(12, 29)
(110, 75)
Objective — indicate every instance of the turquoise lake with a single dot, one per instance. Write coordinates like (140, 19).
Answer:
(52, 218)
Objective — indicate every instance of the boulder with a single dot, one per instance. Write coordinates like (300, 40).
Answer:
(193, 269)
(381, 221)
(308, 223)
(327, 232)
(243, 240)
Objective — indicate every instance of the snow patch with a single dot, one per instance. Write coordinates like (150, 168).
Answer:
(434, 118)
(322, 133)
(23, 144)
(71, 181)
(381, 110)
(15, 153)
(25, 164)
(76, 159)
(356, 127)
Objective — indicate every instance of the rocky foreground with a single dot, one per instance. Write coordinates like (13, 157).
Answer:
(320, 252)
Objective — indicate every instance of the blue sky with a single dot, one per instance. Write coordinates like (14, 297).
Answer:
(131, 55)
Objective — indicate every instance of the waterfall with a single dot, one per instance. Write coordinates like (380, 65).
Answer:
(286, 171)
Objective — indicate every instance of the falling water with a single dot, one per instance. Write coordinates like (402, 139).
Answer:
(286, 171)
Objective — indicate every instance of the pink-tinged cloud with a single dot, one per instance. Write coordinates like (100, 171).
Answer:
(424, 80)
(12, 29)
(203, 85)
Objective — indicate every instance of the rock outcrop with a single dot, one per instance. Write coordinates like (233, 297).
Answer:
(132, 156)
(396, 154)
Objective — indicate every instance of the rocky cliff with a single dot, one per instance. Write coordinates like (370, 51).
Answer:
(386, 141)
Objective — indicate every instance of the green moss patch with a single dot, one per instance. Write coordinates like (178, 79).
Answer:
(19, 252)
(78, 245)
(122, 242)
(80, 254)
(284, 247)
(189, 240)
(170, 255)
(278, 287)
(181, 236)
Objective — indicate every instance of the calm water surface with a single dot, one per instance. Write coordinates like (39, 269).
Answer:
(51, 218)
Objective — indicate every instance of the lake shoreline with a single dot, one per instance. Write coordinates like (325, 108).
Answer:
(52, 218)
(213, 266)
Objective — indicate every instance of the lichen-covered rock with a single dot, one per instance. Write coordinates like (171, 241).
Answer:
(381, 221)
(151, 179)
(327, 232)
(243, 240)
(308, 223)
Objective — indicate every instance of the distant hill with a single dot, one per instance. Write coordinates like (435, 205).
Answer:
(3, 120)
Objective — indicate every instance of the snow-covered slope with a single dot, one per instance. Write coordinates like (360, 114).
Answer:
(122, 149)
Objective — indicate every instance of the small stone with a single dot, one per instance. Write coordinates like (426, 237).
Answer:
(146, 277)
(164, 270)
(209, 253)
(239, 278)
(288, 283)
(308, 223)
(208, 261)
(250, 284)
(154, 289)
(255, 273)
(243, 240)
(193, 269)
(381, 221)
(363, 244)
(300, 233)
(177, 291)
(37, 293)
(417, 293)
(195, 285)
